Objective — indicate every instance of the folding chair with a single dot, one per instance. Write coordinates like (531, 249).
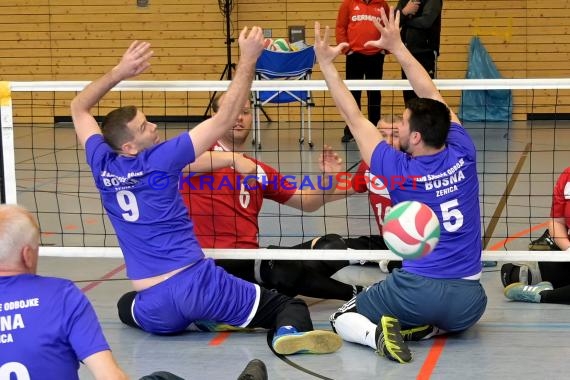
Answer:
(296, 65)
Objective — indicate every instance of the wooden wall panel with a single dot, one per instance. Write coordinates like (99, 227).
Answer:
(80, 39)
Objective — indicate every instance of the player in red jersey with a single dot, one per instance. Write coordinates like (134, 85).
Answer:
(224, 205)
(363, 181)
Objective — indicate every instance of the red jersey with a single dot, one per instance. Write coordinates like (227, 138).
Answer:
(561, 198)
(378, 194)
(354, 24)
(224, 206)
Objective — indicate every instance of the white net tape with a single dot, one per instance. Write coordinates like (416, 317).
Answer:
(301, 254)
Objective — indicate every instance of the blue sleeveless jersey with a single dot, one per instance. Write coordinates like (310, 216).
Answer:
(46, 327)
(447, 182)
(140, 195)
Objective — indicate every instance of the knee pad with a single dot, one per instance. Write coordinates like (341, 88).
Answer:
(125, 309)
(330, 241)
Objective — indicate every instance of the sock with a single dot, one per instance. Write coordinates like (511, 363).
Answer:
(356, 328)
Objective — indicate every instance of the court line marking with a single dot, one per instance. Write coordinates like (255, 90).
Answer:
(432, 358)
(102, 279)
(219, 338)
(519, 234)
(436, 350)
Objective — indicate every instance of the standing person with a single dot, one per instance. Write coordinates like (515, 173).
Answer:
(225, 211)
(51, 325)
(555, 276)
(174, 283)
(421, 30)
(354, 27)
(441, 291)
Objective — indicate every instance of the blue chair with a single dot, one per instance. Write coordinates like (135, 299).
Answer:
(272, 65)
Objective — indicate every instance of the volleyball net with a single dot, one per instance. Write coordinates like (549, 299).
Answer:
(519, 160)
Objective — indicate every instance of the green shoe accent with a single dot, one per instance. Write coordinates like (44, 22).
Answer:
(418, 333)
(390, 342)
(518, 291)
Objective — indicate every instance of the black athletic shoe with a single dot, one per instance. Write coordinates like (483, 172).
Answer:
(419, 333)
(389, 340)
(511, 273)
(254, 370)
(543, 243)
(347, 137)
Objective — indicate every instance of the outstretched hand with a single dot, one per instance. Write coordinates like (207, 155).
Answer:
(389, 31)
(251, 42)
(324, 52)
(135, 60)
(329, 161)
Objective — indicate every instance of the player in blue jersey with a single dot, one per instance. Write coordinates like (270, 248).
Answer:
(137, 176)
(46, 324)
(440, 292)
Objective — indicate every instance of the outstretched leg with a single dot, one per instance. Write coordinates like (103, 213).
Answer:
(310, 278)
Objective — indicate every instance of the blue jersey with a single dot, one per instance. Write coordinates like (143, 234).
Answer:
(447, 182)
(141, 197)
(46, 326)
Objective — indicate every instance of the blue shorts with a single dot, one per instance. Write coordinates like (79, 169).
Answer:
(203, 291)
(450, 304)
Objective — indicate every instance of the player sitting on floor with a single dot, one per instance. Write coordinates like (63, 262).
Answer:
(441, 291)
(225, 211)
(551, 284)
(137, 176)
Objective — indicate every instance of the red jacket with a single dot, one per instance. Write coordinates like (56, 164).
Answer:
(561, 198)
(354, 24)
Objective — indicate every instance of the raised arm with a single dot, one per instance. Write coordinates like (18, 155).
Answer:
(205, 134)
(311, 200)
(417, 76)
(365, 133)
(134, 61)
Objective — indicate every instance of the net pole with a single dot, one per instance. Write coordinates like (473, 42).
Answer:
(8, 160)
